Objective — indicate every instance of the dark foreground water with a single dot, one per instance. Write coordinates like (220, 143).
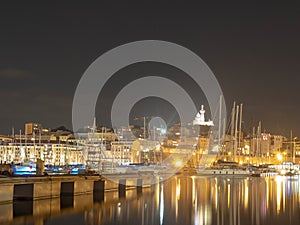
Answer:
(180, 200)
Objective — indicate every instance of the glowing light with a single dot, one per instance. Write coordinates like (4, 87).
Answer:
(228, 195)
(216, 196)
(278, 193)
(193, 190)
(178, 187)
(161, 206)
(279, 157)
(267, 195)
(178, 163)
(282, 172)
(283, 196)
(246, 196)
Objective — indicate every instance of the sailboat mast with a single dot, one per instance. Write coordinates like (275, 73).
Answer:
(34, 148)
(240, 126)
(232, 127)
(144, 127)
(220, 124)
(224, 127)
(258, 139)
(235, 132)
(291, 144)
(25, 142)
(40, 137)
(20, 142)
(253, 144)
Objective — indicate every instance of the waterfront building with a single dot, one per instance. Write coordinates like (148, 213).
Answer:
(297, 148)
(52, 153)
(35, 128)
(276, 143)
(98, 146)
(265, 144)
(122, 152)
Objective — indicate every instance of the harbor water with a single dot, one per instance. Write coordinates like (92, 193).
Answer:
(182, 200)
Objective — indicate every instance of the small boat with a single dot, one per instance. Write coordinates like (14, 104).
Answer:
(224, 172)
(263, 171)
(26, 168)
(222, 168)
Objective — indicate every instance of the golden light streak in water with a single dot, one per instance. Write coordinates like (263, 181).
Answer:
(267, 194)
(157, 194)
(216, 193)
(201, 216)
(178, 187)
(193, 190)
(278, 180)
(283, 196)
(298, 189)
(119, 209)
(246, 196)
(228, 195)
(196, 213)
(161, 206)
(207, 215)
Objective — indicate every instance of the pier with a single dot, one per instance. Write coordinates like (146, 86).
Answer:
(46, 187)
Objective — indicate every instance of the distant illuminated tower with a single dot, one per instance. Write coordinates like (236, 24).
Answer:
(200, 119)
(204, 131)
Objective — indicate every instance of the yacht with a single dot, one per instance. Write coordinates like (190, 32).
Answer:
(225, 169)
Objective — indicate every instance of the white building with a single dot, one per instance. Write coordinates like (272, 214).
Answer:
(50, 153)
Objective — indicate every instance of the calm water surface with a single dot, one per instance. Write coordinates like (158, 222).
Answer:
(180, 200)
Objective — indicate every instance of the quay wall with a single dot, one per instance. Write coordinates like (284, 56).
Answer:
(37, 188)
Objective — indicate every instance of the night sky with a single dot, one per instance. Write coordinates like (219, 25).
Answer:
(253, 50)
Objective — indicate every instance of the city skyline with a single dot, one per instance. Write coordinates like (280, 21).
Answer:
(251, 49)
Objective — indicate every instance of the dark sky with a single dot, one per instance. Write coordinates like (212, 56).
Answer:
(253, 50)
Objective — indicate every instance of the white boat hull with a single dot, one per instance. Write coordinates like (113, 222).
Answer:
(223, 172)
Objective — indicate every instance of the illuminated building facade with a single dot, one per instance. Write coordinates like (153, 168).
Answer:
(50, 153)
(122, 152)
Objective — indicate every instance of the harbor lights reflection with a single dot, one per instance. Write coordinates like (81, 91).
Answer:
(178, 189)
(203, 201)
(179, 200)
(246, 194)
(278, 180)
(161, 205)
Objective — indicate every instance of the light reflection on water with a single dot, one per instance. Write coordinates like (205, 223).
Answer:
(180, 200)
